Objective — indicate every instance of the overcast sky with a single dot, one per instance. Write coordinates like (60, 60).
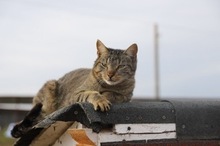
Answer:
(44, 39)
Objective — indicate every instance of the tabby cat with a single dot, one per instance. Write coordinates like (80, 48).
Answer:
(111, 80)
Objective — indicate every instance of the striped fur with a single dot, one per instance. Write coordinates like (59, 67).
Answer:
(111, 80)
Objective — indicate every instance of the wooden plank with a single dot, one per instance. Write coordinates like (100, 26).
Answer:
(16, 106)
(108, 135)
(144, 128)
(51, 134)
(112, 137)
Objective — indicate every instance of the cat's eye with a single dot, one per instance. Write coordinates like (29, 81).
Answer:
(121, 66)
(103, 65)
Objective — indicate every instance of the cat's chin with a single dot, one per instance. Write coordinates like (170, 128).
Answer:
(112, 83)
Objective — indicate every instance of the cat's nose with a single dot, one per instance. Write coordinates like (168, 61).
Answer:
(110, 74)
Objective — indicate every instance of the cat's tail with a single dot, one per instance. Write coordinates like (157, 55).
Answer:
(30, 120)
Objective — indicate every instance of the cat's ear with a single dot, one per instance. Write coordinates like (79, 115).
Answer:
(132, 50)
(101, 48)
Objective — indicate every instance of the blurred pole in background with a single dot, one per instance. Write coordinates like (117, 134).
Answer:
(156, 63)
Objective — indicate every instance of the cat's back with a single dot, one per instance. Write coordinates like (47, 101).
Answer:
(72, 80)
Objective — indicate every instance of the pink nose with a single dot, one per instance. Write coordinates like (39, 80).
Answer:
(110, 74)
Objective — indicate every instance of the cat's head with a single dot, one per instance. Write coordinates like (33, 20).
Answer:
(114, 66)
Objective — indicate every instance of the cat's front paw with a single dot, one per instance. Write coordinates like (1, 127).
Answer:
(19, 130)
(103, 104)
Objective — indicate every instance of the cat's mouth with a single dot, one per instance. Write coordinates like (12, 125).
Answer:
(111, 82)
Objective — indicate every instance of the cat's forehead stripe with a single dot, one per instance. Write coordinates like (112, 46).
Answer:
(115, 60)
(115, 51)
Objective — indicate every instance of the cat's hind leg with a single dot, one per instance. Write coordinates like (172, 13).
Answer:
(44, 103)
(30, 119)
(47, 95)
(50, 101)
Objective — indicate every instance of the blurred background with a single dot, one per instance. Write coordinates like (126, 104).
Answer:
(179, 46)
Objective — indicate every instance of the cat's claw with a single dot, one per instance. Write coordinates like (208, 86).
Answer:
(103, 105)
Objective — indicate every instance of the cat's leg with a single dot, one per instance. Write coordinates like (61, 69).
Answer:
(47, 95)
(99, 101)
(30, 119)
(44, 103)
(50, 97)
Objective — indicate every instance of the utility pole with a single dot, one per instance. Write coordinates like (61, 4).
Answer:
(156, 63)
